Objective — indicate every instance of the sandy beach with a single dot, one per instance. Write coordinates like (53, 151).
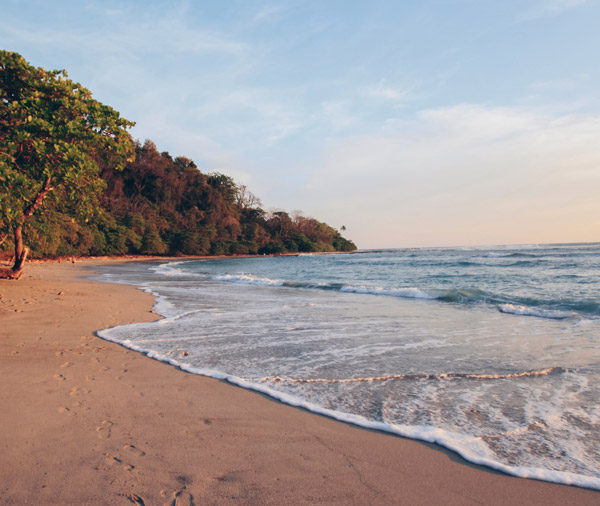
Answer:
(86, 421)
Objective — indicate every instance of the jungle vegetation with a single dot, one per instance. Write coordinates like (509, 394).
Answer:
(74, 182)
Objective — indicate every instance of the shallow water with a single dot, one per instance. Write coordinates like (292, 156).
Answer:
(492, 352)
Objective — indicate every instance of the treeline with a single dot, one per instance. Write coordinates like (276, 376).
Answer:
(159, 205)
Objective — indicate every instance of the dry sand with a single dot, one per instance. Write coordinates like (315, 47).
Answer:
(85, 421)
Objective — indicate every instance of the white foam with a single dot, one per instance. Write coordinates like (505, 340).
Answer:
(532, 311)
(470, 448)
(427, 343)
(168, 269)
(411, 292)
(179, 316)
(248, 279)
(161, 305)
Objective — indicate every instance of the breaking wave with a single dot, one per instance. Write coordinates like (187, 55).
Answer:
(556, 310)
(533, 311)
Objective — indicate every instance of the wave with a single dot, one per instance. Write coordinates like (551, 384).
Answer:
(470, 448)
(168, 269)
(440, 376)
(507, 254)
(523, 263)
(249, 279)
(452, 295)
(465, 295)
(410, 292)
(533, 311)
(519, 307)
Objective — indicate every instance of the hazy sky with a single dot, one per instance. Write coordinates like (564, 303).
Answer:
(421, 123)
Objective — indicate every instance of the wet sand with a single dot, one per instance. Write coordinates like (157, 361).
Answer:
(85, 421)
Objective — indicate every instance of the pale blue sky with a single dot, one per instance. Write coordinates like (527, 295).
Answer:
(430, 123)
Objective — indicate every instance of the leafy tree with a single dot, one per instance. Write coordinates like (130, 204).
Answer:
(65, 186)
(53, 135)
(152, 244)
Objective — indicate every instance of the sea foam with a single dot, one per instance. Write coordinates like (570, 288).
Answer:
(533, 311)
(521, 395)
(472, 449)
(249, 279)
(410, 292)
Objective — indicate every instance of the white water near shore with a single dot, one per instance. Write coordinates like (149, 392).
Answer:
(503, 372)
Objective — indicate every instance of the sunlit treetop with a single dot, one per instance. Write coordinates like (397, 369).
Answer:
(53, 135)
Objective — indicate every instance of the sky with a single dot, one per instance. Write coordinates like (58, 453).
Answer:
(410, 123)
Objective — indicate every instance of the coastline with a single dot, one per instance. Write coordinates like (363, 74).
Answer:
(86, 421)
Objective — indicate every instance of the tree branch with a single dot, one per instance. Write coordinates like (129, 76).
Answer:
(38, 199)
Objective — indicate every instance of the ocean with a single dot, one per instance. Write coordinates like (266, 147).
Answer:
(492, 352)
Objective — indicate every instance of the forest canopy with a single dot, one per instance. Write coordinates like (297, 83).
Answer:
(53, 139)
(75, 183)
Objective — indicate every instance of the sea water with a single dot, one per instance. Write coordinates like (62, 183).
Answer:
(491, 352)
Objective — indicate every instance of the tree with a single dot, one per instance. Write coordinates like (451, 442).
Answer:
(246, 200)
(53, 135)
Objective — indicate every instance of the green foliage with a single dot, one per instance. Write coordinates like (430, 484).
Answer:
(104, 194)
(152, 243)
(198, 214)
(53, 135)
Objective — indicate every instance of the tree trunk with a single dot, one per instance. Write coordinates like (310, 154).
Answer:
(21, 252)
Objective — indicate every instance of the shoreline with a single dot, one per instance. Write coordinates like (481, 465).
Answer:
(88, 421)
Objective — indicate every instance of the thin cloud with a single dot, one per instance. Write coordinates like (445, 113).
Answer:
(337, 115)
(382, 90)
(549, 8)
(127, 35)
(565, 83)
(269, 14)
(465, 174)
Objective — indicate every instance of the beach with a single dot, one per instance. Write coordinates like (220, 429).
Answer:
(87, 421)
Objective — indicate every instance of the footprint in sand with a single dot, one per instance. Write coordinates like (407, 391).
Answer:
(124, 465)
(67, 364)
(179, 498)
(120, 376)
(81, 406)
(136, 499)
(78, 391)
(59, 377)
(65, 411)
(132, 450)
(60, 353)
(104, 430)
(16, 352)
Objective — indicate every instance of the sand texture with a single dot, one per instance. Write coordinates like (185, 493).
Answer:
(85, 421)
